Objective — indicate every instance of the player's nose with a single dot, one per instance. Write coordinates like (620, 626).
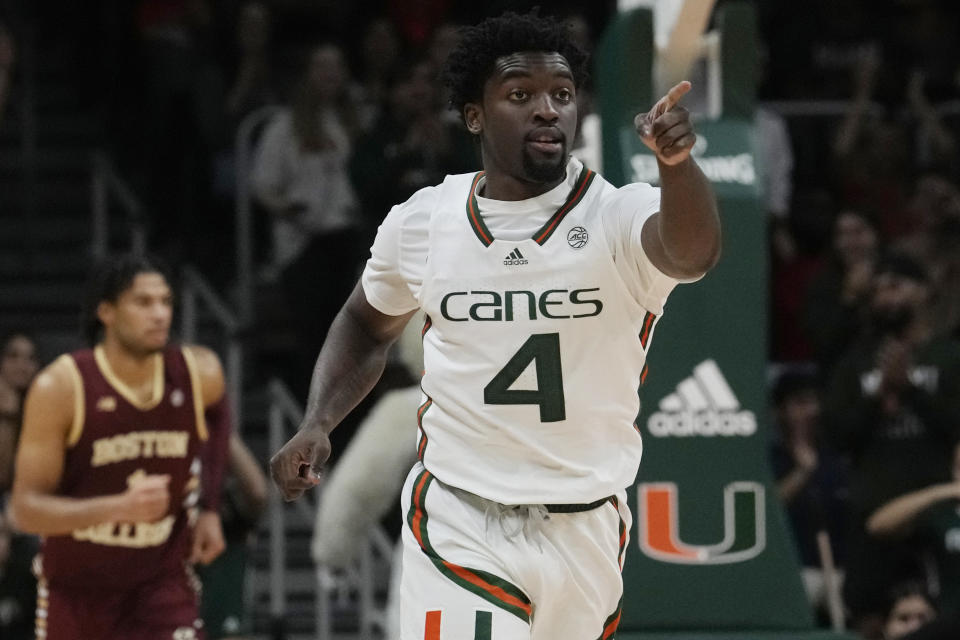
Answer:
(545, 109)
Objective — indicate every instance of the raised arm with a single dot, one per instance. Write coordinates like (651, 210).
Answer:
(683, 239)
(897, 516)
(349, 365)
(35, 507)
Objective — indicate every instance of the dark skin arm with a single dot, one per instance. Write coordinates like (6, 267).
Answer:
(350, 363)
(683, 239)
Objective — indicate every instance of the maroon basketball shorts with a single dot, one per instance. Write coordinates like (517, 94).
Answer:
(162, 609)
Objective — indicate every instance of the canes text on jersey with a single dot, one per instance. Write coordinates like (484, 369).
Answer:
(508, 306)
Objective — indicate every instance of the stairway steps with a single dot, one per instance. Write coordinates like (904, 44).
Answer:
(40, 295)
(49, 163)
(48, 233)
(66, 261)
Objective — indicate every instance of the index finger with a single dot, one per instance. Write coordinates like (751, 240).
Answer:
(678, 91)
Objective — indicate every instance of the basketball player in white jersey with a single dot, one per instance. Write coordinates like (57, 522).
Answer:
(541, 284)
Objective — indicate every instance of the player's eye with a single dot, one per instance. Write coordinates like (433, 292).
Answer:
(518, 94)
(564, 95)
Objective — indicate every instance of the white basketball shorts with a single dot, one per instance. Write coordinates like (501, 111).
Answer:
(478, 570)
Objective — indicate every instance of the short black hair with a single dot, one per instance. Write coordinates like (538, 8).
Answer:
(110, 278)
(792, 382)
(470, 64)
(902, 264)
(906, 589)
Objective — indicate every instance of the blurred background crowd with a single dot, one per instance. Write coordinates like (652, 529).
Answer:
(331, 112)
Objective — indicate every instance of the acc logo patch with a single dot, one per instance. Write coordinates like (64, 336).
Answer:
(577, 237)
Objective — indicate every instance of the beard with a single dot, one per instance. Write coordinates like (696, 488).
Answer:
(545, 170)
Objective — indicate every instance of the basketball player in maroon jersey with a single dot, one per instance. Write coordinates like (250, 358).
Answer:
(119, 469)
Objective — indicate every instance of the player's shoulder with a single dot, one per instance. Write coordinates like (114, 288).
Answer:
(622, 209)
(416, 208)
(632, 195)
(61, 379)
(206, 364)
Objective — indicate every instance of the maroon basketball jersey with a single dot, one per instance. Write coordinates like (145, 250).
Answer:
(114, 439)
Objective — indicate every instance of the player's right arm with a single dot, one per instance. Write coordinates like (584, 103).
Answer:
(35, 506)
(355, 351)
(351, 361)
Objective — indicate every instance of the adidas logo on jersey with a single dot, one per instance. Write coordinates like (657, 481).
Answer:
(514, 258)
(702, 405)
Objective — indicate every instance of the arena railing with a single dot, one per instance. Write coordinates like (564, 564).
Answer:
(106, 185)
(197, 290)
(243, 156)
(354, 586)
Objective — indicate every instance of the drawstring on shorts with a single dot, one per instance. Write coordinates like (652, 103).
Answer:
(516, 519)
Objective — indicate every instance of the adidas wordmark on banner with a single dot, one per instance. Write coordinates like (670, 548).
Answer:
(703, 405)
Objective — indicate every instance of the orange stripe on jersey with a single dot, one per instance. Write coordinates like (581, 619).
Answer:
(493, 590)
(432, 626)
(647, 325)
(611, 628)
(478, 227)
(418, 516)
(558, 216)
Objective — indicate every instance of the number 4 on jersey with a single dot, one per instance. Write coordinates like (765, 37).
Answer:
(544, 350)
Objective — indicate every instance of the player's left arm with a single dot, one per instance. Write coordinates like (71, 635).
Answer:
(208, 541)
(683, 239)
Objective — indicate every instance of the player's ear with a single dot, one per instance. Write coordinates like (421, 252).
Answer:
(105, 312)
(473, 117)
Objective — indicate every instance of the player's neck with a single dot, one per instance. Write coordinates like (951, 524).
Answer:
(501, 186)
(134, 369)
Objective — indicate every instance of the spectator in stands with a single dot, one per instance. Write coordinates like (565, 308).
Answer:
(836, 300)
(410, 147)
(250, 84)
(909, 607)
(18, 365)
(894, 407)
(379, 51)
(300, 177)
(182, 126)
(18, 587)
(775, 155)
(811, 479)
(797, 256)
(225, 607)
(932, 516)
(443, 40)
(936, 201)
(7, 58)
(253, 82)
(936, 146)
(871, 155)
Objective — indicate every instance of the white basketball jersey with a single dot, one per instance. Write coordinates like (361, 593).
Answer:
(533, 354)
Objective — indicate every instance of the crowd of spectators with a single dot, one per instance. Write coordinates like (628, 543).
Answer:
(864, 307)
